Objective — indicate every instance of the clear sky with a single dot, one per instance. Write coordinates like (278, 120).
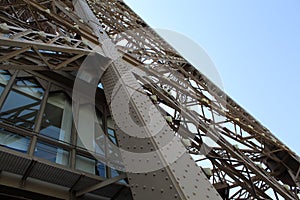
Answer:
(255, 45)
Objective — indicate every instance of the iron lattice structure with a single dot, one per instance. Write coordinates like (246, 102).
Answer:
(246, 160)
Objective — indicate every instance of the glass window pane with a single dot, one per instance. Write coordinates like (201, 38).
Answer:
(89, 127)
(85, 164)
(1, 89)
(4, 78)
(100, 86)
(101, 169)
(111, 134)
(23, 103)
(115, 173)
(85, 128)
(52, 153)
(100, 138)
(14, 141)
(90, 165)
(100, 145)
(57, 118)
(112, 153)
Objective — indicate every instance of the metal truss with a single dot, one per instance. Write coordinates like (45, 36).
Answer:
(42, 35)
(246, 160)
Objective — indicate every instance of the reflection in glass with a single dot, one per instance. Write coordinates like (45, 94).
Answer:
(113, 153)
(14, 141)
(115, 173)
(112, 136)
(110, 130)
(23, 103)
(4, 78)
(1, 89)
(101, 169)
(52, 153)
(57, 117)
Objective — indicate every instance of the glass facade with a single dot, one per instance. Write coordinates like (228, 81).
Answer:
(14, 141)
(52, 153)
(22, 103)
(40, 112)
(89, 128)
(90, 165)
(57, 117)
(86, 164)
(7, 138)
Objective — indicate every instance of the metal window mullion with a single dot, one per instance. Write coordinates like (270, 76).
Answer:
(73, 150)
(7, 89)
(74, 138)
(54, 142)
(38, 120)
(105, 128)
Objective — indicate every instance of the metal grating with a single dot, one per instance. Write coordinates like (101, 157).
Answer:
(54, 174)
(13, 163)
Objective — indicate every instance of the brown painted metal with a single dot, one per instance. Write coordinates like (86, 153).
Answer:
(48, 35)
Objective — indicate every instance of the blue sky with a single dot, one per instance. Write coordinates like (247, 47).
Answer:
(255, 46)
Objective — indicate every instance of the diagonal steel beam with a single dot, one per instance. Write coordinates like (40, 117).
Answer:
(14, 53)
(100, 185)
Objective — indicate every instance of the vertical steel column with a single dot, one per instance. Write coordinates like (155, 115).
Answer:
(153, 177)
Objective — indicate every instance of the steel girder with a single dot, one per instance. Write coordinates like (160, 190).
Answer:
(151, 174)
(42, 35)
(247, 160)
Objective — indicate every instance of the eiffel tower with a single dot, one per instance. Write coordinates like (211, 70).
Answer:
(178, 135)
